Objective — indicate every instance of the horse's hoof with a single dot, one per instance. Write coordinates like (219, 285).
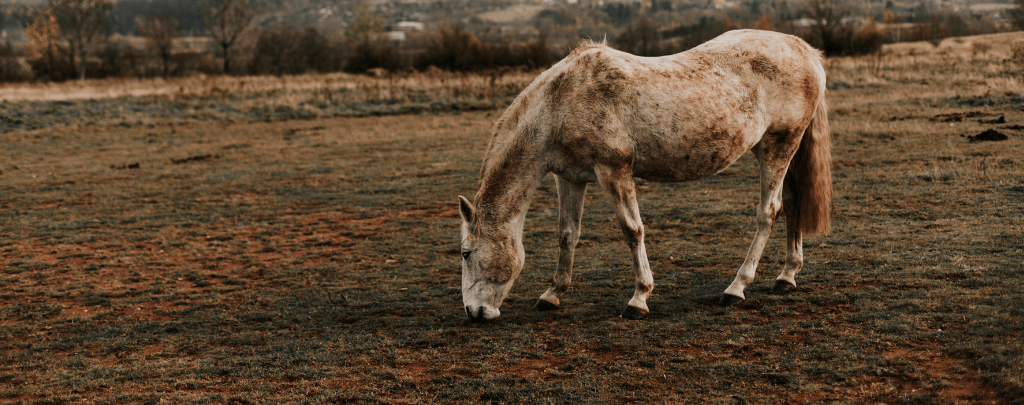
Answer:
(782, 287)
(542, 305)
(729, 300)
(633, 313)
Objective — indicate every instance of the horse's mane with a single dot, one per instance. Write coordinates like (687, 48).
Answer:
(589, 44)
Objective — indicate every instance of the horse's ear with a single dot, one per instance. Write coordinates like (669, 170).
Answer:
(465, 209)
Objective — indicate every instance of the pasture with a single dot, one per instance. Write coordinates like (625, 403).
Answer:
(233, 247)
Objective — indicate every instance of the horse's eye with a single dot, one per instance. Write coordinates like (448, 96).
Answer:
(465, 255)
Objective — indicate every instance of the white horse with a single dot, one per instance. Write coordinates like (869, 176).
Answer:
(601, 115)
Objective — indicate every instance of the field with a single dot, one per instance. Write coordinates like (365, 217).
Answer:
(169, 242)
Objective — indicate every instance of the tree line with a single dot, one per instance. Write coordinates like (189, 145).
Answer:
(70, 39)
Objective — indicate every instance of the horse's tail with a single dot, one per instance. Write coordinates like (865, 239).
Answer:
(810, 175)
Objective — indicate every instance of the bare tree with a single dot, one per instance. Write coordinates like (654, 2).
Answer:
(46, 50)
(826, 20)
(365, 22)
(832, 25)
(81, 23)
(894, 23)
(227, 20)
(640, 39)
(160, 29)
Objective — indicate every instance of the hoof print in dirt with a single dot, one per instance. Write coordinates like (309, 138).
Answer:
(729, 300)
(633, 313)
(127, 166)
(988, 135)
(198, 158)
(782, 287)
(542, 305)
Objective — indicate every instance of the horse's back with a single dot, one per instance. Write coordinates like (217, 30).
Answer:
(678, 117)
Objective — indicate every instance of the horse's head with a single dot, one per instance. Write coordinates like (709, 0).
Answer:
(492, 257)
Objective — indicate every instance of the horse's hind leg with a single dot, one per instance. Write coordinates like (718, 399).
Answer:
(570, 211)
(773, 171)
(620, 186)
(794, 242)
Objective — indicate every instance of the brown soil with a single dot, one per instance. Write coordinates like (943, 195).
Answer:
(988, 135)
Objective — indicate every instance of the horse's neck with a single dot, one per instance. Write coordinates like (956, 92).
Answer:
(507, 184)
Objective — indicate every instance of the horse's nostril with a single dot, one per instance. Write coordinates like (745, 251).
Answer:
(478, 316)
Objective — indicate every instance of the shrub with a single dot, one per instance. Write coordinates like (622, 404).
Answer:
(119, 59)
(45, 52)
(454, 49)
(189, 62)
(536, 53)
(284, 51)
(11, 69)
(685, 37)
(1017, 51)
(845, 39)
(640, 39)
(980, 48)
(371, 53)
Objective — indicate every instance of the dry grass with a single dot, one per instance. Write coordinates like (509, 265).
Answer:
(957, 67)
(130, 102)
(279, 90)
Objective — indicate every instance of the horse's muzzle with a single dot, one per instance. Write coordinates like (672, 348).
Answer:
(481, 314)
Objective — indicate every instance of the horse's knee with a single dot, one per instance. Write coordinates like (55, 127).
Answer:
(769, 216)
(568, 239)
(634, 233)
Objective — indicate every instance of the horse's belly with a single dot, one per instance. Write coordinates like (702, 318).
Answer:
(665, 163)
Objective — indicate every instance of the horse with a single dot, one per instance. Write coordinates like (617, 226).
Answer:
(605, 116)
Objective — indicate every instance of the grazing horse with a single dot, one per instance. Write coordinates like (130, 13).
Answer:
(605, 116)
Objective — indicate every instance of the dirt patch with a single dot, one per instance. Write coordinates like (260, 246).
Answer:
(988, 135)
(77, 312)
(937, 366)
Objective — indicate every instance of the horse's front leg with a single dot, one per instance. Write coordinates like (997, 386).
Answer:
(619, 184)
(570, 212)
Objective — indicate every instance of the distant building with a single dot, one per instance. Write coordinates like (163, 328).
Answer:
(847, 21)
(723, 4)
(514, 15)
(398, 37)
(804, 22)
(410, 26)
(996, 11)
